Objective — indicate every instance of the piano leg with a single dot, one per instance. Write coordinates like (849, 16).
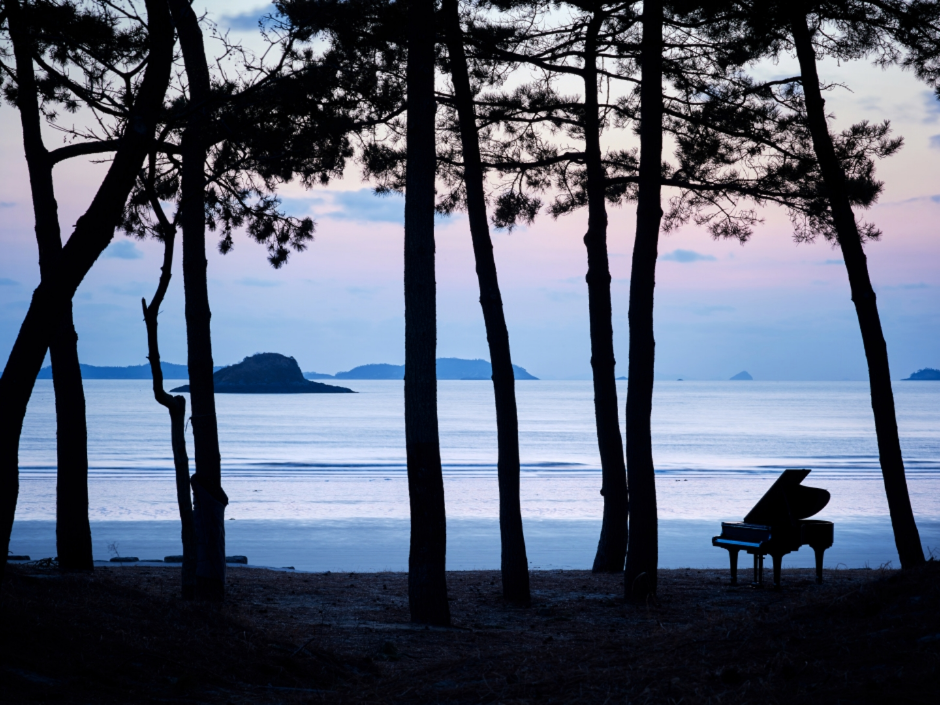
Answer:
(733, 554)
(758, 570)
(778, 559)
(819, 563)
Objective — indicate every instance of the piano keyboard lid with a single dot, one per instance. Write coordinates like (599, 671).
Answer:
(787, 500)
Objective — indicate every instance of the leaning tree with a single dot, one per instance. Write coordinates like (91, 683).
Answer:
(142, 94)
(548, 140)
(845, 30)
(87, 40)
(514, 565)
(227, 142)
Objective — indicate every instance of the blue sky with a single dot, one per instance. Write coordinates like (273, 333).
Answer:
(774, 308)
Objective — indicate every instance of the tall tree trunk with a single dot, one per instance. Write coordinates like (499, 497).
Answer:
(612, 546)
(210, 499)
(906, 536)
(514, 564)
(73, 532)
(72, 528)
(176, 405)
(643, 552)
(92, 234)
(427, 585)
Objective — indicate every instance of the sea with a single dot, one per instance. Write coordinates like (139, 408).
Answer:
(318, 482)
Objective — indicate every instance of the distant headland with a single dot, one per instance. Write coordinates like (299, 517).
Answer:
(743, 376)
(447, 368)
(267, 373)
(925, 375)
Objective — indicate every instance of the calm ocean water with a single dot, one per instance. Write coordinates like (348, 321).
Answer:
(333, 465)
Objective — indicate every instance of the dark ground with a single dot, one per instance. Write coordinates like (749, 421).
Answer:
(122, 635)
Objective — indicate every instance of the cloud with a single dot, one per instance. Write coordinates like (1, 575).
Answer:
(932, 104)
(834, 261)
(364, 292)
(365, 205)
(907, 287)
(263, 283)
(5, 281)
(7, 204)
(123, 249)
(935, 142)
(917, 199)
(686, 256)
(246, 21)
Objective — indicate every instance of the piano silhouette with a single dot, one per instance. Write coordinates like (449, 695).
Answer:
(777, 525)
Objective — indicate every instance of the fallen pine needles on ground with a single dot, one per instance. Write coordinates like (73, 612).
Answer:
(122, 634)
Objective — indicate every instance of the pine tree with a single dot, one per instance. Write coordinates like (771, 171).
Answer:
(91, 235)
(513, 564)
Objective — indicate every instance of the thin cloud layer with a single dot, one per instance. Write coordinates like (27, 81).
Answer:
(246, 21)
(365, 205)
(687, 256)
(932, 105)
(123, 249)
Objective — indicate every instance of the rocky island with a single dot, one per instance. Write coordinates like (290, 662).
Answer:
(267, 373)
(928, 374)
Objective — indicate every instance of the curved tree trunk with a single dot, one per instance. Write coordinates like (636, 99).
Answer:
(612, 546)
(209, 498)
(514, 564)
(643, 552)
(176, 405)
(73, 532)
(906, 536)
(92, 234)
(427, 584)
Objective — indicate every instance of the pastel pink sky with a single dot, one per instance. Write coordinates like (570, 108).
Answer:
(774, 308)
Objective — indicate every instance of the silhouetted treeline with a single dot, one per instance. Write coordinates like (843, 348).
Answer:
(460, 105)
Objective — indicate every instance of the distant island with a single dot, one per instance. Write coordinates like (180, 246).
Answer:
(742, 376)
(170, 371)
(924, 375)
(447, 368)
(267, 373)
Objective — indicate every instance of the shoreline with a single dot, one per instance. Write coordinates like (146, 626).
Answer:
(374, 545)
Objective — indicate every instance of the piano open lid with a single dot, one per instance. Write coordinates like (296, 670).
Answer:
(787, 500)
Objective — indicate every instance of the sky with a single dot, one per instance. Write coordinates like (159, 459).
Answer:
(779, 310)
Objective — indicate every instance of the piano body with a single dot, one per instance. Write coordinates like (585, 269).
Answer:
(779, 524)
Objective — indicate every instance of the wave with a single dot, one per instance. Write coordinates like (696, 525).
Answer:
(841, 467)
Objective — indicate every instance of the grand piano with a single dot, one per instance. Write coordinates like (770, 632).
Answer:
(779, 524)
